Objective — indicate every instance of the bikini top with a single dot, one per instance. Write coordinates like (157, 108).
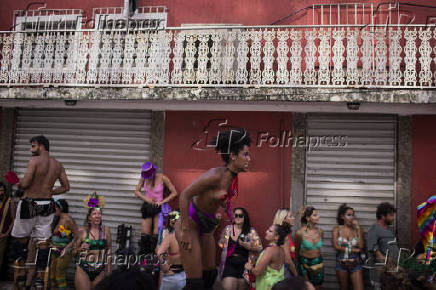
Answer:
(63, 232)
(155, 193)
(353, 243)
(307, 246)
(99, 244)
(62, 236)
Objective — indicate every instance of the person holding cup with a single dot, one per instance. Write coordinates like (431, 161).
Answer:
(239, 241)
(348, 243)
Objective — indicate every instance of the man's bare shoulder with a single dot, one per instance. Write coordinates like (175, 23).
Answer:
(57, 165)
(35, 159)
(55, 161)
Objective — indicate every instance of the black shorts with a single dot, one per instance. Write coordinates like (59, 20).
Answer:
(235, 266)
(149, 211)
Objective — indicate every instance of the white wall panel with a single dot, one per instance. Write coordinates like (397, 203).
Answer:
(101, 150)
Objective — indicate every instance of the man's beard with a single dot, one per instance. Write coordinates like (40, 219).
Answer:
(36, 153)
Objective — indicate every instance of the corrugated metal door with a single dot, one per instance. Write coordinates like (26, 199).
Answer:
(358, 167)
(101, 150)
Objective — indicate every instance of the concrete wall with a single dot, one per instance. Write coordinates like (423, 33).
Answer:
(298, 167)
(247, 12)
(254, 97)
(157, 138)
(423, 165)
(404, 178)
(265, 188)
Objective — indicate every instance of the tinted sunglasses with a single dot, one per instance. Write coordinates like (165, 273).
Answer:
(237, 215)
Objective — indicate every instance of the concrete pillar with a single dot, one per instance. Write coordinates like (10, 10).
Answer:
(157, 138)
(404, 178)
(298, 166)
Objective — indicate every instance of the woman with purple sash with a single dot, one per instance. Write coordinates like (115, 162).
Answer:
(199, 204)
(153, 185)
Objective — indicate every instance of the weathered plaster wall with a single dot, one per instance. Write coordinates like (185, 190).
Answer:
(422, 96)
(298, 166)
(158, 138)
(423, 165)
(247, 12)
(264, 188)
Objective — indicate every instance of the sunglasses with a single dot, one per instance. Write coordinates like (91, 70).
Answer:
(237, 215)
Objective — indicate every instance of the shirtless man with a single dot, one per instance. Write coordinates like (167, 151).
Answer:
(35, 210)
(199, 203)
(174, 276)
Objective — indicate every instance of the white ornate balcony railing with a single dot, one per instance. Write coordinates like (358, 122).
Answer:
(371, 56)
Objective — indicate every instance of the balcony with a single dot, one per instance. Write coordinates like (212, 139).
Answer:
(378, 56)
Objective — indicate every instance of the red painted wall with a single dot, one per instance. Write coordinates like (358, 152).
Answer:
(247, 12)
(263, 189)
(423, 164)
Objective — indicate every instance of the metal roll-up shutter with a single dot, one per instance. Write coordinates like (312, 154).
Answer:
(357, 168)
(101, 150)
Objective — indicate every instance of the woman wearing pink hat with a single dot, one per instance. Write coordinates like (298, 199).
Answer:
(153, 184)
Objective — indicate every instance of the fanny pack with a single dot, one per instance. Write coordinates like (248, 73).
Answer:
(30, 208)
(314, 269)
